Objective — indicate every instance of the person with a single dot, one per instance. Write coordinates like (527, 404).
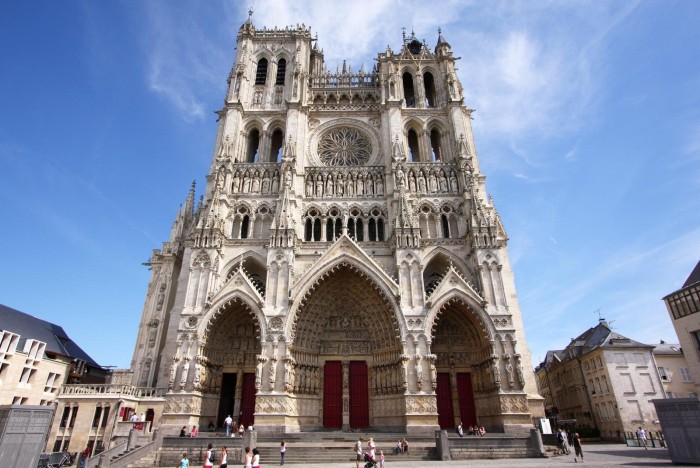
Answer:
(562, 441)
(184, 462)
(460, 431)
(183, 431)
(224, 457)
(358, 452)
(234, 429)
(381, 459)
(404, 445)
(212, 426)
(227, 424)
(577, 447)
(256, 458)
(372, 447)
(398, 449)
(642, 436)
(248, 458)
(135, 420)
(482, 430)
(283, 449)
(209, 457)
(241, 430)
(193, 433)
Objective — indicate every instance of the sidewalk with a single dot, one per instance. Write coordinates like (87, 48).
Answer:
(596, 455)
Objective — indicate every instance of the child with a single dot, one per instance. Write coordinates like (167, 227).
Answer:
(185, 462)
(381, 459)
(248, 458)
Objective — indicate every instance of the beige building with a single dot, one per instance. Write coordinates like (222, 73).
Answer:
(674, 371)
(604, 380)
(346, 269)
(36, 358)
(683, 307)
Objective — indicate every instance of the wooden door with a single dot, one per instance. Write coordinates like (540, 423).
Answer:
(359, 395)
(446, 418)
(248, 399)
(226, 398)
(333, 395)
(467, 408)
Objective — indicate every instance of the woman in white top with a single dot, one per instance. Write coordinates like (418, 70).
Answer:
(208, 457)
(248, 458)
(256, 458)
(224, 455)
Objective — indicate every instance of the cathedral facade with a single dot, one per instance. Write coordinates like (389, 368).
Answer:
(344, 268)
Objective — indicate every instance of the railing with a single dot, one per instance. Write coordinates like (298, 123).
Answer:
(106, 455)
(345, 80)
(110, 389)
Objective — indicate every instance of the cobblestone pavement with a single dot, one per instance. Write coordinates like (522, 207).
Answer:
(595, 455)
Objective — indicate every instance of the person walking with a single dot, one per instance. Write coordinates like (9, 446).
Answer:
(256, 458)
(227, 423)
(224, 457)
(184, 462)
(460, 430)
(642, 437)
(578, 450)
(209, 457)
(283, 449)
(248, 463)
(381, 459)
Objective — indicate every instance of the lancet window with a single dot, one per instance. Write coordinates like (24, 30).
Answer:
(281, 70)
(276, 143)
(409, 93)
(334, 224)
(312, 225)
(261, 72)
(413, 146)
(356, 225)
(436, 144)
(429, 84)
(241, 224)
(253, 146)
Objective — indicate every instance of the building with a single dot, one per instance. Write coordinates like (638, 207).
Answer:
(674, 371)
(602, 380)
(683, 307)
(36, 358)
(345, 268)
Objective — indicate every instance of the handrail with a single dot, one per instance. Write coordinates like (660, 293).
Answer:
(111, 389)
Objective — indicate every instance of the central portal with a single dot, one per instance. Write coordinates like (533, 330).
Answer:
(346, 334)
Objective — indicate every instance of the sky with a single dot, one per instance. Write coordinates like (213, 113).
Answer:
(587, 127)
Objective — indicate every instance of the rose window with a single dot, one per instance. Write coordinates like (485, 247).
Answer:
(344, 146)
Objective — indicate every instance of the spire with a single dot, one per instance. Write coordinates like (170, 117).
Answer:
(189, 203)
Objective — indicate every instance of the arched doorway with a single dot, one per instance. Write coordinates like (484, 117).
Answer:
(231, 348)
(347, 352)
(463, 351)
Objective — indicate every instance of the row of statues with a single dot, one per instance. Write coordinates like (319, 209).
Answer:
(351, 184)
(427, 181)
(255, 182)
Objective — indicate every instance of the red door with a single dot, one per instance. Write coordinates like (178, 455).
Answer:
(467, 409)
(359, 398)
(248, 399)
(333, 395)
(446, 417)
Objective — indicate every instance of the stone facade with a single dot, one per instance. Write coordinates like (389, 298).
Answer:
(344, 243)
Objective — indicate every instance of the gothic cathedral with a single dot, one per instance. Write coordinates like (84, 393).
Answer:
(344, 268)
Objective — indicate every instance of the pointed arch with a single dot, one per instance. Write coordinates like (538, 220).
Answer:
(480, 318)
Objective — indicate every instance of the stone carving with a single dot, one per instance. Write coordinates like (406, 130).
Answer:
(424, 404)
(276, 324)
(183, 404)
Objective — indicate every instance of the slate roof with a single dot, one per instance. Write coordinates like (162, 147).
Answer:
(29, 327)
(694, 276)
(668, 349)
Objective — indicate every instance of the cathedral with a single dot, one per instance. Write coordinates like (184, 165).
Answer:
(344, 268)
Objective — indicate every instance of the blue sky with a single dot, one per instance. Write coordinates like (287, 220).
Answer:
(587, 128)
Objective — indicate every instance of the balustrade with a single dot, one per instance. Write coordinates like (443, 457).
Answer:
(109, 389)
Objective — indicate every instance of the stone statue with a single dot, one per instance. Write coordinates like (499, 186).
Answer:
(509, 373)
(309, 187)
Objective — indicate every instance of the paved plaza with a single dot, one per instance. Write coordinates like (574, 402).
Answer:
(596, 455)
